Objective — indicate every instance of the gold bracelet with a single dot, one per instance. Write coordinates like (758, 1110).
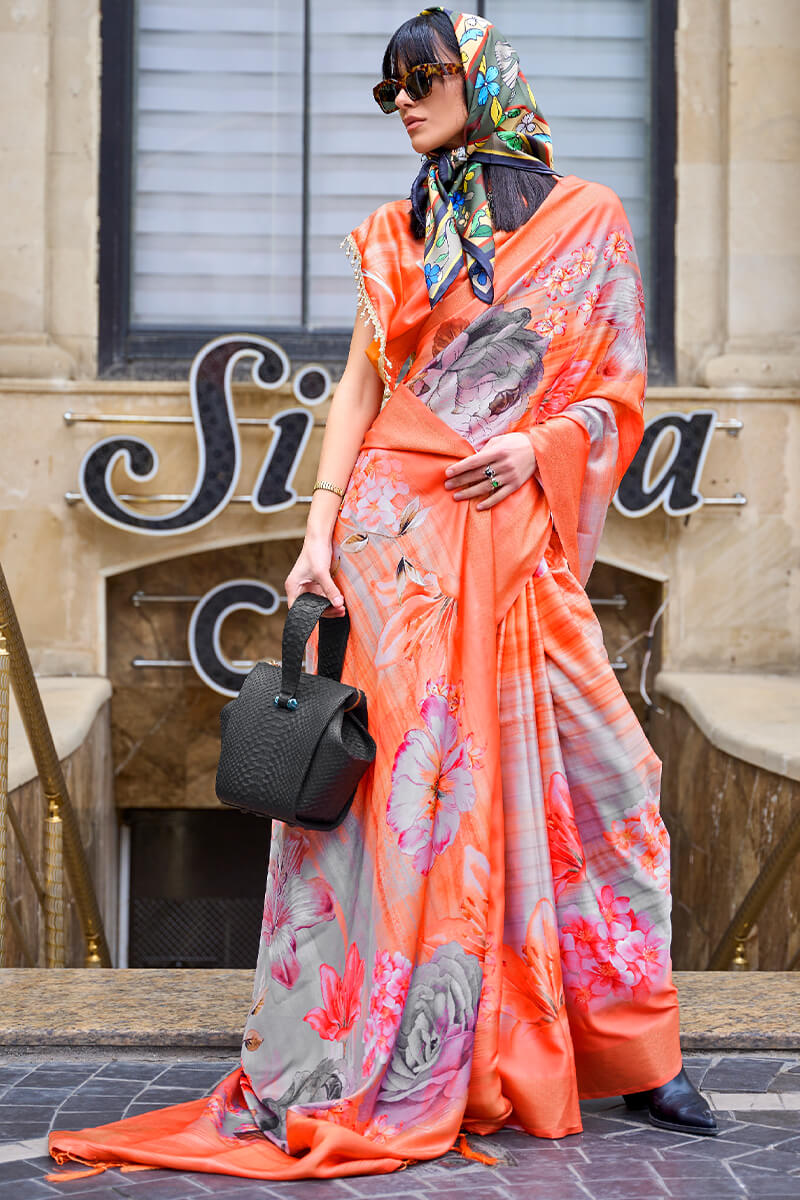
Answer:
(327, 487)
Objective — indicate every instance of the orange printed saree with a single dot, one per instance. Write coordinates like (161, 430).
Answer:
(486, 937)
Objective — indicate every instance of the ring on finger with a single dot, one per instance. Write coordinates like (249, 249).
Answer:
(495, 482)
(489, 472)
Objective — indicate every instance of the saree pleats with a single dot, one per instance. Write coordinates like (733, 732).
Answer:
(485, 939)
(569, 723)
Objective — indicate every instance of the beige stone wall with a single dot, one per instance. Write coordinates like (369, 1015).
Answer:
(57, 557)
(732, 573)
(738, 170)
(49, 144)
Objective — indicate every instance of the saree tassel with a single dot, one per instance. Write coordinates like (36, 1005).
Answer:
(64, 1156)
(466, 1151)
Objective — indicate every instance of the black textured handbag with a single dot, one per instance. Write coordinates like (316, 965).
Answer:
(295, 745)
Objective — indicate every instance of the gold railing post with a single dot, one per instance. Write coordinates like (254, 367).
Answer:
(53, 885)
(52, 782)
(4, 705)
(740, 961)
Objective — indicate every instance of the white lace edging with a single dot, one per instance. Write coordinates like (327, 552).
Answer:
(368, 310)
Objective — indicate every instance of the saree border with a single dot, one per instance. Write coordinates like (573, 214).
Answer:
(368, 310)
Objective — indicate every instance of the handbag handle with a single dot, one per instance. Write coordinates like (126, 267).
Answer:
(301, 621)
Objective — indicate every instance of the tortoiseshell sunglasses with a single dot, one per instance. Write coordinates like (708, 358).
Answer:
(417, 83)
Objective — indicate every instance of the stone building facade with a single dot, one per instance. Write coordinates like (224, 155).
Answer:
(728, 573)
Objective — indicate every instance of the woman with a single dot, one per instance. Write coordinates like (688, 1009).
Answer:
(486, 937)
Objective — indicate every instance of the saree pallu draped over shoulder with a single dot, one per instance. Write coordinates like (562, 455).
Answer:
(486, 938)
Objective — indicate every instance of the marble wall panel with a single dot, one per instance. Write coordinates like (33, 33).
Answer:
(88, 775)
(619, 625)
(166, 720)
(24, 935)
(724, 818)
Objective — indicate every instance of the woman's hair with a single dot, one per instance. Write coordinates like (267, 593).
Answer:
(514, 195)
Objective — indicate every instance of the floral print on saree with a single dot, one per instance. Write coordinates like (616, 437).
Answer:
(486, 937)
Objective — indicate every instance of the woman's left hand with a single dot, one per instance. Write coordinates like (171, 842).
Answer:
(512, 458)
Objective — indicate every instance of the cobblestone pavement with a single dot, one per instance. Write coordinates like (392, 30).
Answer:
(619, 1156)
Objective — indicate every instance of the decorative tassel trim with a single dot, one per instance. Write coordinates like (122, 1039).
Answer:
(466, 1151)
(64, 1156)
(368, 310)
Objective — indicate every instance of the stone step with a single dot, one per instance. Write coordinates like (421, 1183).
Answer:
(199, 1010)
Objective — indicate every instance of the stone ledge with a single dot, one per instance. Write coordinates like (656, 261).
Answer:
(755, 717)
(34, 356)
(48, 1010)
(71, 704)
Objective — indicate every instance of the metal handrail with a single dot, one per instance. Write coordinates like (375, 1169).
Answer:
(4, 719)
(63, 845)
(731, 946)
(168, 498)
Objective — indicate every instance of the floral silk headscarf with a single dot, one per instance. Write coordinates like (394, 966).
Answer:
(503, 126)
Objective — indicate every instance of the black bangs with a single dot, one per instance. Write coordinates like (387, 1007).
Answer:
(513, 195)
(420, 40)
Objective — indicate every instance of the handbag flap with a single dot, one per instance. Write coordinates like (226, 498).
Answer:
(267, 749)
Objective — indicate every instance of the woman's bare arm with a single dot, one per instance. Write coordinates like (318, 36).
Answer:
(355, 404)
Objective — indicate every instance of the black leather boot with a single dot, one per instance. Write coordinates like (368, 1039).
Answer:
(676, 1105)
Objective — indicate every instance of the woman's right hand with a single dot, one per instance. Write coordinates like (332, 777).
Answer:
(312, 573)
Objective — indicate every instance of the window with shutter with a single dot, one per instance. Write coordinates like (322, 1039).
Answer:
(588, 63)
(254, 145)
(217, 164)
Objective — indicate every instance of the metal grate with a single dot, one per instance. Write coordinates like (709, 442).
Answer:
(198, 932)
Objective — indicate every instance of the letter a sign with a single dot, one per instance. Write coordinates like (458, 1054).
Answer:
(676, 483)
